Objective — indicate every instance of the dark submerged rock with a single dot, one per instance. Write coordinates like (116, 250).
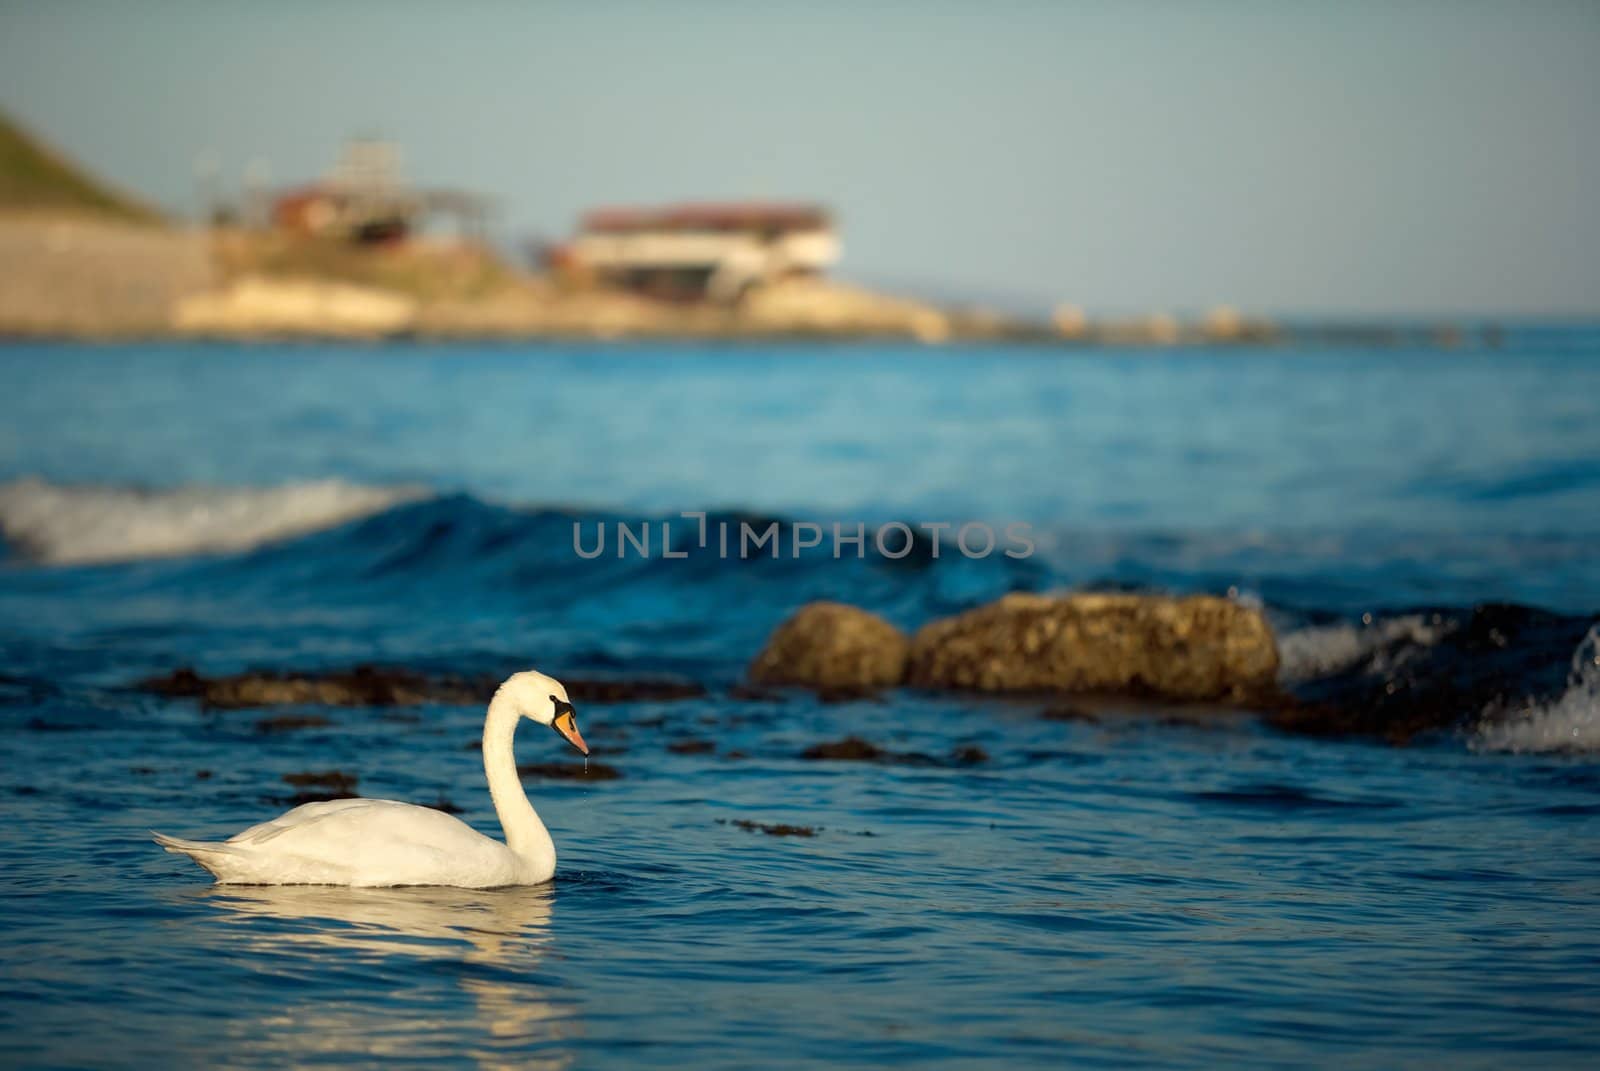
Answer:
(835, 696)
(299, 798)
(856, 749)
(363, 686)
(749, 693)
(330, 779)
(291, 723)
(375, 686)
(1482, 664)
(781, 829)
(634, 690)
(1068, 712)
(317, 787)
(850, 749)
(569, 771)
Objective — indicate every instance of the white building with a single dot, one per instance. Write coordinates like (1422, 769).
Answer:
(711, 251)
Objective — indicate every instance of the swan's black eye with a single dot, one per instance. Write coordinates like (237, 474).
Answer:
(561, 705)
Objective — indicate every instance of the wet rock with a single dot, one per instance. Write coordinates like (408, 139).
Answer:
(377, 686)
(301, 798)
(317, 786)
(291, 723)
(749, 693)
(850, 749)
(1478, 665)
(1068, 712)
(363, 686)
(183, 681)
(330, 779)
(1190, 720)
(1196, 648)
(856, 749)
(830, 645)
(771, 830)
(834, 696)
(570, 771)
(630, 690)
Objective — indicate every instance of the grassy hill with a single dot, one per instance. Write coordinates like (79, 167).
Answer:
(34, 178)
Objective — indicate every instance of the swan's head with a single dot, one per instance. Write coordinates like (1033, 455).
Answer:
(544, 700)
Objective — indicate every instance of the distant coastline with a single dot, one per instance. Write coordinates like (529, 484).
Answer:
(81, 261)
(77, 276)
(71, 276)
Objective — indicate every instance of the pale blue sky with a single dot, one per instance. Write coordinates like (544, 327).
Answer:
(1409, 158)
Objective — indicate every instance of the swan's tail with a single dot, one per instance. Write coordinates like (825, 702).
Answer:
(214, 857)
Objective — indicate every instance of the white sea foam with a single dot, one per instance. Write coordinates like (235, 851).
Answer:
(1570, 722)
(1320, 650)
(65, 524)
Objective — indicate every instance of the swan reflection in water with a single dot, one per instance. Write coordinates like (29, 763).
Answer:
(424, 947)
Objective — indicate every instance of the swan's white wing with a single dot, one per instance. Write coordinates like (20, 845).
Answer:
(301, 816)
(371, 842)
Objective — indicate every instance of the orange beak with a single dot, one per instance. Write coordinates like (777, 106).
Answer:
(567, 725)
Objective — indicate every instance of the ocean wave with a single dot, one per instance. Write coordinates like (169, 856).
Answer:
(1569, 722)
(1439, 670)
(327, 563)
(1322, 650)
(73, 525)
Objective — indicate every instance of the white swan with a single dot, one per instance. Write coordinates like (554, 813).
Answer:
(375, 843)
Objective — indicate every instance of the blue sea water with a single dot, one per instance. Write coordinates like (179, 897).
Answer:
(1134, 891)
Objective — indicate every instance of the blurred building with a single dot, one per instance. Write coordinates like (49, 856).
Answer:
(365, 199)
(699, 251)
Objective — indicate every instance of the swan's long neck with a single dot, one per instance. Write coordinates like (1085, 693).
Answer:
(525, 833)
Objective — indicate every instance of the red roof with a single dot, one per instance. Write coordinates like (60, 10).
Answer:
(725, 216)
(295, 196)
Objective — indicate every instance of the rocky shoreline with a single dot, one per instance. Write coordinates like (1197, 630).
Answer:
(1080, 657)
(379, 686)
(85, 277)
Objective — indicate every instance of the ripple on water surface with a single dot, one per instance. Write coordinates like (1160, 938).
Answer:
(1101, 892)
(1153, 905)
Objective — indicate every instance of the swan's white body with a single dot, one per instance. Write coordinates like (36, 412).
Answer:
(373, 843)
